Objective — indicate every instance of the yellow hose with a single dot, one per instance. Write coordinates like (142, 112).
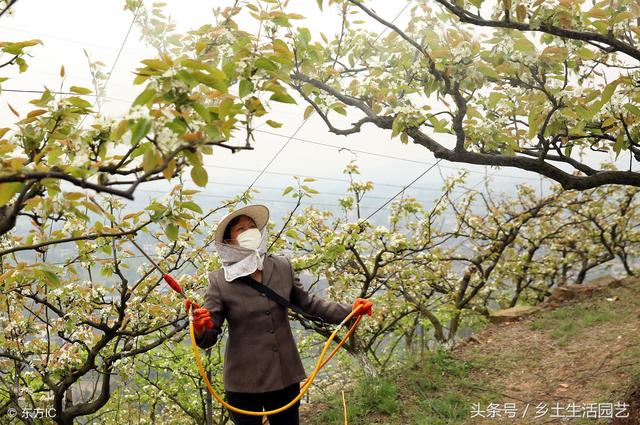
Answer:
(319, 364)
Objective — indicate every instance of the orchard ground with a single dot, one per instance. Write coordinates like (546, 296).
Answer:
(585, 351)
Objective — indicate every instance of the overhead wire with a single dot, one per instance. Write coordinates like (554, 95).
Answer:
(305, 120)
(124, 41)
(402, 191)
(335, 179)
(381, 155)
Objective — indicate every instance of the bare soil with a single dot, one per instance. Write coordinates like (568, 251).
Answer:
(538, 369)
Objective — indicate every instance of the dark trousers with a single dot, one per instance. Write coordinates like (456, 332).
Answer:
(268, 401)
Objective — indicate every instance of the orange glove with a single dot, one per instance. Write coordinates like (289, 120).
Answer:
(201, 318)
(366, 306)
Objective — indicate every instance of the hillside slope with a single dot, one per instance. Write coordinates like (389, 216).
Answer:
(559, 365)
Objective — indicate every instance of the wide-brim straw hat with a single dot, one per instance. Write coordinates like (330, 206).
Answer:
(259, 214)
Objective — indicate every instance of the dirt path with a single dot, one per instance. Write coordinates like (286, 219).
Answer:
(561, 363)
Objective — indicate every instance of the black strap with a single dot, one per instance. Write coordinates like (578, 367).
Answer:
(277, 298)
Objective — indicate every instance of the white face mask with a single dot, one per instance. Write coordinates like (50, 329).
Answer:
(250, 238)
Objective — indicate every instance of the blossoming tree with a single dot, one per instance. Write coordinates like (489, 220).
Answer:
(528, 84)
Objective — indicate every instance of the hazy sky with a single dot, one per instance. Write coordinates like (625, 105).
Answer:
(67, 27)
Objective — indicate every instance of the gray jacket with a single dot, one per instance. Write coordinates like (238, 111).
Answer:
(261, 354)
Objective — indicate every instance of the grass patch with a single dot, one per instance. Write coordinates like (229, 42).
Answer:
(370, 396)
(444, 390)
(435, 390)
(376, 395)
(444, 408)
(564, 323)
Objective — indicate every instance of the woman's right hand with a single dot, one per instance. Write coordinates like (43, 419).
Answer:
(201, 318)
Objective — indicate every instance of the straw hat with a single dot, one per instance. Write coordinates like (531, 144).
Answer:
(259, 214)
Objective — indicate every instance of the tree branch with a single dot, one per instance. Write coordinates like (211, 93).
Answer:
(588, 36)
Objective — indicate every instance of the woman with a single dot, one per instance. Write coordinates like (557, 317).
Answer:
(262, 366)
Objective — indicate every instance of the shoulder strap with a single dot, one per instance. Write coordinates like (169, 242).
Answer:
(277, 298)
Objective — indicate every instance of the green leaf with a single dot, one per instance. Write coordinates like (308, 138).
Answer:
(632, 108)
(225, 107)
(283, 97)
(199, 176)
(584, 53)
(177, 126)
(172, 232)
(106, 272)
(567, 150)
(202, 111)
(584, 112)
(439, 126)
(620, 144)
(80, 90)
(78, 102)
(266, 64)
(283, 54)
(398, 126)
(339, 108)
(524, 45)
(287, 190)
(22, 64)
(192, 206)
(607, 93)
(487, 70)
(149, 159)
(156, 64)
(185, 77)
(494, 98)
(601, 26)
(308, 111)
(144, 97)
(216, 79)
(193, 158)
(193, 64)
(246, 87)
(536, 118)
(623, 16)
(17, 47)
(309, 189)
(139, 130)
(52, 277)
(273, 124)
(304, 36)
(119, 131)
(7, 190)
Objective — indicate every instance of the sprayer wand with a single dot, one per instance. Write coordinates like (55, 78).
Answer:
(167, 277)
